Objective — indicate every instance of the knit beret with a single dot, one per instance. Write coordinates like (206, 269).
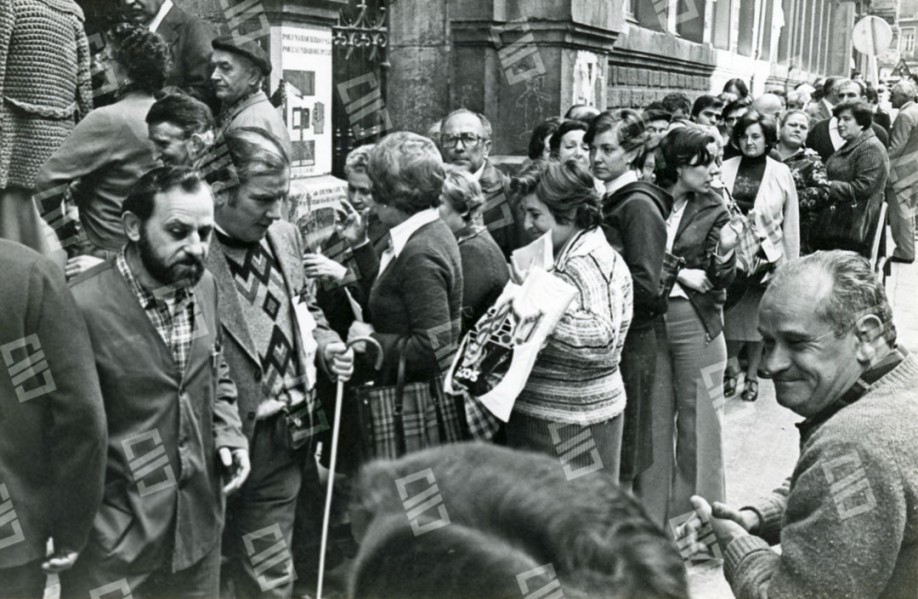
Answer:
(247, 48)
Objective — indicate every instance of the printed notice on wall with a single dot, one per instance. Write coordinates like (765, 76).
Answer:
(307, 62)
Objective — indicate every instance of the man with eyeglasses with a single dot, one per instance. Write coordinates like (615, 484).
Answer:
(824, 137)
(465, 141)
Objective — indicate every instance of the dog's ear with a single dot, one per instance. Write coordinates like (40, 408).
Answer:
(452, 562)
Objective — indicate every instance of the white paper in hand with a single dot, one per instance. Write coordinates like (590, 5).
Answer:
(495, 358)
(538, 254)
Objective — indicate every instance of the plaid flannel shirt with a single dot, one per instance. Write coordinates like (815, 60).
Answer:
(170, 309)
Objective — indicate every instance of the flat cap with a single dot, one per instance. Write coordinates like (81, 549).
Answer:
(247, 48)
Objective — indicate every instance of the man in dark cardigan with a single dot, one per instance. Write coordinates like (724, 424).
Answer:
(175, 441)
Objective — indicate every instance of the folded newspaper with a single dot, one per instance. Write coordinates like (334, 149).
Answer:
(495, 358)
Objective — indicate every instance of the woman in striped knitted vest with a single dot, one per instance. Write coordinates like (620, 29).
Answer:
(573, 401)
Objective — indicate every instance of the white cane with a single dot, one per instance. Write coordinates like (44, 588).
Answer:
(330, 487)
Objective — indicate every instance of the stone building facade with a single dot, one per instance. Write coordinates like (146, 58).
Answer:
(520, 61)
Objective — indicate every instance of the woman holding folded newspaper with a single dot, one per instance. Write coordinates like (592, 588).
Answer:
(691, 351)
(572, 404)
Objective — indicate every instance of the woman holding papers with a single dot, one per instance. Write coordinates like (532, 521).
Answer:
(691, 352)
(572, 404)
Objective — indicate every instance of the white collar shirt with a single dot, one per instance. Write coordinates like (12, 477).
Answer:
(628, 177)
(837, 140)
(477, 174)
(401, 233)
(158, 19)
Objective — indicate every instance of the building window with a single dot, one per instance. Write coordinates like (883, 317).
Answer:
(908, 41)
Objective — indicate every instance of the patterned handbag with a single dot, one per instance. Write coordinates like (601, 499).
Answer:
(405, 418)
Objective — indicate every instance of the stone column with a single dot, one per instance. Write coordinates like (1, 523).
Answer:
(517, 61)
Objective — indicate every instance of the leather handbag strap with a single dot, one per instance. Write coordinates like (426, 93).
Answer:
(400, 395)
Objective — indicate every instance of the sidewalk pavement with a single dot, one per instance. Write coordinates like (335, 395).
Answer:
(761, 443)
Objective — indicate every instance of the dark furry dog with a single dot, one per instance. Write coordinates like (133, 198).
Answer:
(484, 522)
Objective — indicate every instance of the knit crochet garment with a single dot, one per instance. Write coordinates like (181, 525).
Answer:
(44, 83)
(576, 379)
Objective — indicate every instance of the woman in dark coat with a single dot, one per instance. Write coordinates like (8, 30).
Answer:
(691, 351)
(484, 270)
(415, 286)
(634, 222)
(857, 174)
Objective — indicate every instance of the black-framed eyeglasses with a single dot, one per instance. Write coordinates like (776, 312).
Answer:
(469, 140)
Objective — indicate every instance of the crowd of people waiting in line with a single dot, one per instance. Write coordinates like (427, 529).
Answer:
(178, 459)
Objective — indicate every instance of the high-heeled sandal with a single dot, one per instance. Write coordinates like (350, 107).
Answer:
(730, 380)
(751, 390)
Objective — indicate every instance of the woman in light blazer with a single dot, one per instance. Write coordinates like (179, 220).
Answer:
(766, 186)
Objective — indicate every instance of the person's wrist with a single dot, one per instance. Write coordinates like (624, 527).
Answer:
(751, 520)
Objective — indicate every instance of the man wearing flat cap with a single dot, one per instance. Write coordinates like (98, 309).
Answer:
(240, 67)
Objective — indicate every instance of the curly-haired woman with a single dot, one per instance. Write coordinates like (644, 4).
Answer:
(109, 150)
(575, 391)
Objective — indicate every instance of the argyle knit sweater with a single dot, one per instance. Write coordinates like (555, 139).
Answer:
(576, 377)
(848, 519)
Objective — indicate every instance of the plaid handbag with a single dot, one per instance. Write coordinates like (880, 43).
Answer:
(405, 418)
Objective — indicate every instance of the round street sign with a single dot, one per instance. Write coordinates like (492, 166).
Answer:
(871, 36)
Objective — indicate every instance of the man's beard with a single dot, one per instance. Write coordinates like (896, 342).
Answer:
(185, 273)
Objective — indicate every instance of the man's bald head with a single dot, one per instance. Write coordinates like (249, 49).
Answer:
(768, 104)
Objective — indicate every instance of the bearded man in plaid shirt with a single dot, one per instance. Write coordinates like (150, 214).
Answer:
(173, 424)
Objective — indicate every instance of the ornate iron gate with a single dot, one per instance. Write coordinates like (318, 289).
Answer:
(360, 67)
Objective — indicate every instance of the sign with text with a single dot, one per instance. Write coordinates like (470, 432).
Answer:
(306, 56)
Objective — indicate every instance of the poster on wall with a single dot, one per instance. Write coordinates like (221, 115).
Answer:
(307, 60)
